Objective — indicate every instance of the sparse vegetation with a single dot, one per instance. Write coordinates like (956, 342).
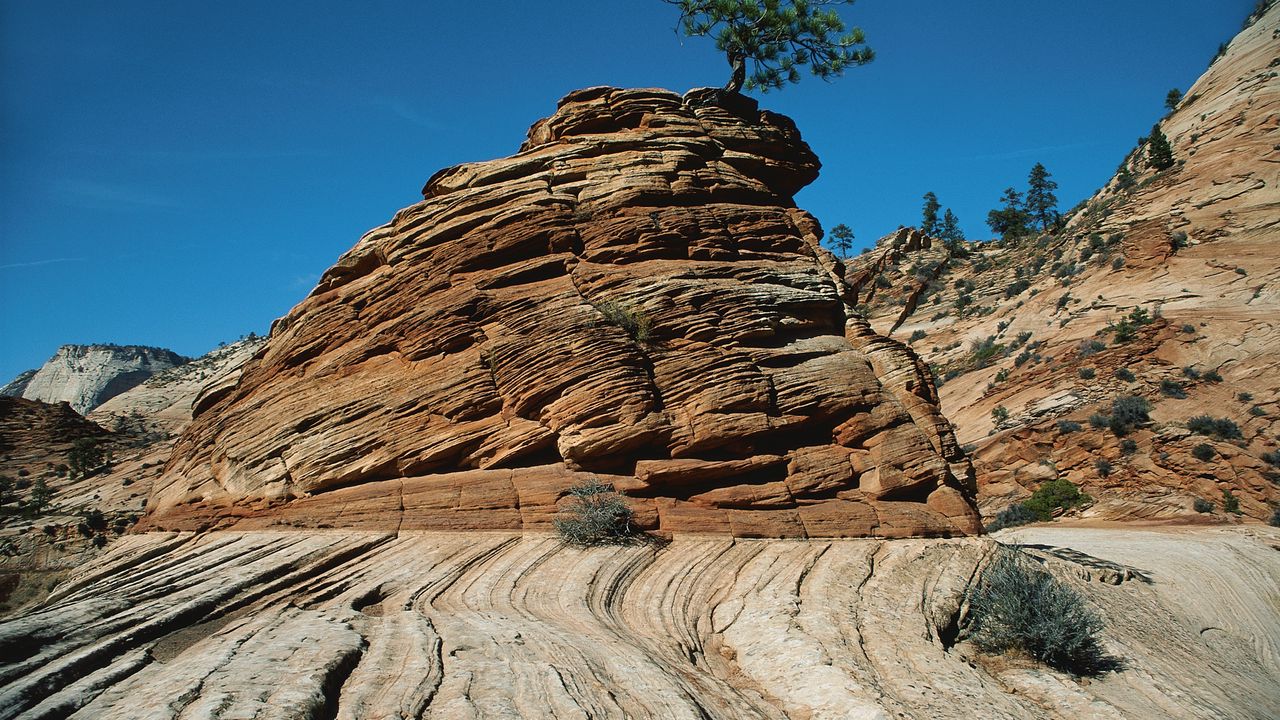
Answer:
(1053, 495)
(1230, 503)
(1221, 428)
(1128, 446)
(1203, 451)
(1125, 374)
(1189, 329)
(1212, 376)
(1018, 606)
(999, 414)
(1087, 373)
(1102, 466)
(1173, 389)
(1202, 506)
(633, 321)
(1067, 427)
(1127, 412)
(596, 514)
(916, 335)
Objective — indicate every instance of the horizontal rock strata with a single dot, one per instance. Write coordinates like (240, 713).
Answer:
(634, 298)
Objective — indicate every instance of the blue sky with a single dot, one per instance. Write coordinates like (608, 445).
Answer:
(179, 173)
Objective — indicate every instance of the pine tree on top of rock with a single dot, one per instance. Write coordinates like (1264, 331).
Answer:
(1159, 151)
(929, 215)
(1041, 204)
(1010, 221)
(842, 240)
(777, 36)
(950, 234)
(1173, 98)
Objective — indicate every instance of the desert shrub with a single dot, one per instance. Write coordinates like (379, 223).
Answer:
(1202, 506)
(1131, 410)
(1188, 328)
(1212, 376)
(99, 541)
(882, 282)
(1173, 389)
(1203, 451)
(1230, 503)
(1089, 347)
(1244, 396)
(983, 352)
(1117, 263)
(1102, 466)
(1054, 494)
(84, 457)
(1087, 373)
(1125, 374)
(1016, 288)
(596, 515)
(1068, 426)
(1128, 447)
(1241, 271)
(916, 335)
(633, 321)
(1191, 372)
(1257, 411)
(1275, 518)
(1013, 516)
(1271, 458)
(1214, 427)
(1016, 605)
(1178, 240)
(999, 414)
(1022, 358)
(1098, 421)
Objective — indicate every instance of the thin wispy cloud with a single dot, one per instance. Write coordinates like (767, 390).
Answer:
(1028, 152)
(38, 263)
(99, 196)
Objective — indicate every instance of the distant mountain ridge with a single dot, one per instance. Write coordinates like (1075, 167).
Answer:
(85, 376)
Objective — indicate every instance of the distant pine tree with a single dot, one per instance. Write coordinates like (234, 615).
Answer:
(951, 232)
(1009, 221)
(1159, 151)
(842, 240)
(929, 218)
(1042, 204)
(1173, 98)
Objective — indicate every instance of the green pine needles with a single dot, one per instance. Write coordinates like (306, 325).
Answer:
(777, 36)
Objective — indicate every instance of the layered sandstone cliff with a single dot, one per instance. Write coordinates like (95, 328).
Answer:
(88, 375)
(1029, 325)
(634, 298)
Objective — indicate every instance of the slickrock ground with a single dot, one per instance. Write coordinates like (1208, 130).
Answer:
(1048, 306)
(457, 625)
(88, 375)
(465, 364)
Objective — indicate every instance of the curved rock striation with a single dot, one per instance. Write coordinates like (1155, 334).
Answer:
(463, 625)
(633, 297)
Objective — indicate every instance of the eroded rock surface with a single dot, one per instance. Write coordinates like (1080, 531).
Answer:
(633, 297)
(457, 625)
(1028, 325)
(88, 375)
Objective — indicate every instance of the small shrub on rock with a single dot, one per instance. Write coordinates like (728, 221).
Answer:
(1087, 373)
(1275, 518)
(1013, 516)
(1173, 389)
(1189, 329)
(1230, 503)
(1202, 506)
(1016, 605)
(1203, 451)
(1102, 466)
(999, 414)
(1099, 421)
(1068, 426)
(596, 515)
(1128, 447)
(1055, 494)
(1214, 427)
(1213, 376)
(634, 322)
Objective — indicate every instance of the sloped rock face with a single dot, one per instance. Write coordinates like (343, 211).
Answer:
(1193, 246)
(88, 375)
(634, 298)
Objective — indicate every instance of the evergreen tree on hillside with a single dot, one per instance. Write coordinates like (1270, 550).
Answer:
(1173, 98)
(950, 233)
(929, 217)
(1159, 151)
(777, 36)
(1041, 205)
(842, 240)
(1009, 221)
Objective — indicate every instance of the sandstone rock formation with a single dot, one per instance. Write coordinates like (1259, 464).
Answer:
(88, 375)
(633, 297)
(345, 624)
(1194, 247)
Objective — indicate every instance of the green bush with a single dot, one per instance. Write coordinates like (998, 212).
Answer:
(1203, 451)
(1099, 421)
(1271, 458)
(1173, 389)
(1214, 427)
(1054, 494)
(1244, 396)
(1125, 374)
(1188, 328)
(1016, 605)
(999, 414)
(916, 335)
(1213, 376)
(1128, 447)
(1230, 503)
(1102, 466)
(1202, 506)
(1087, 373)
(596, 515)
(1068, 426)
(1275, 518)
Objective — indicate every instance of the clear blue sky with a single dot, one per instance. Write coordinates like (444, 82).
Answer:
(180, 173)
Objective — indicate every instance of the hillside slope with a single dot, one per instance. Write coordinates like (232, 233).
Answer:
(1173, 276)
